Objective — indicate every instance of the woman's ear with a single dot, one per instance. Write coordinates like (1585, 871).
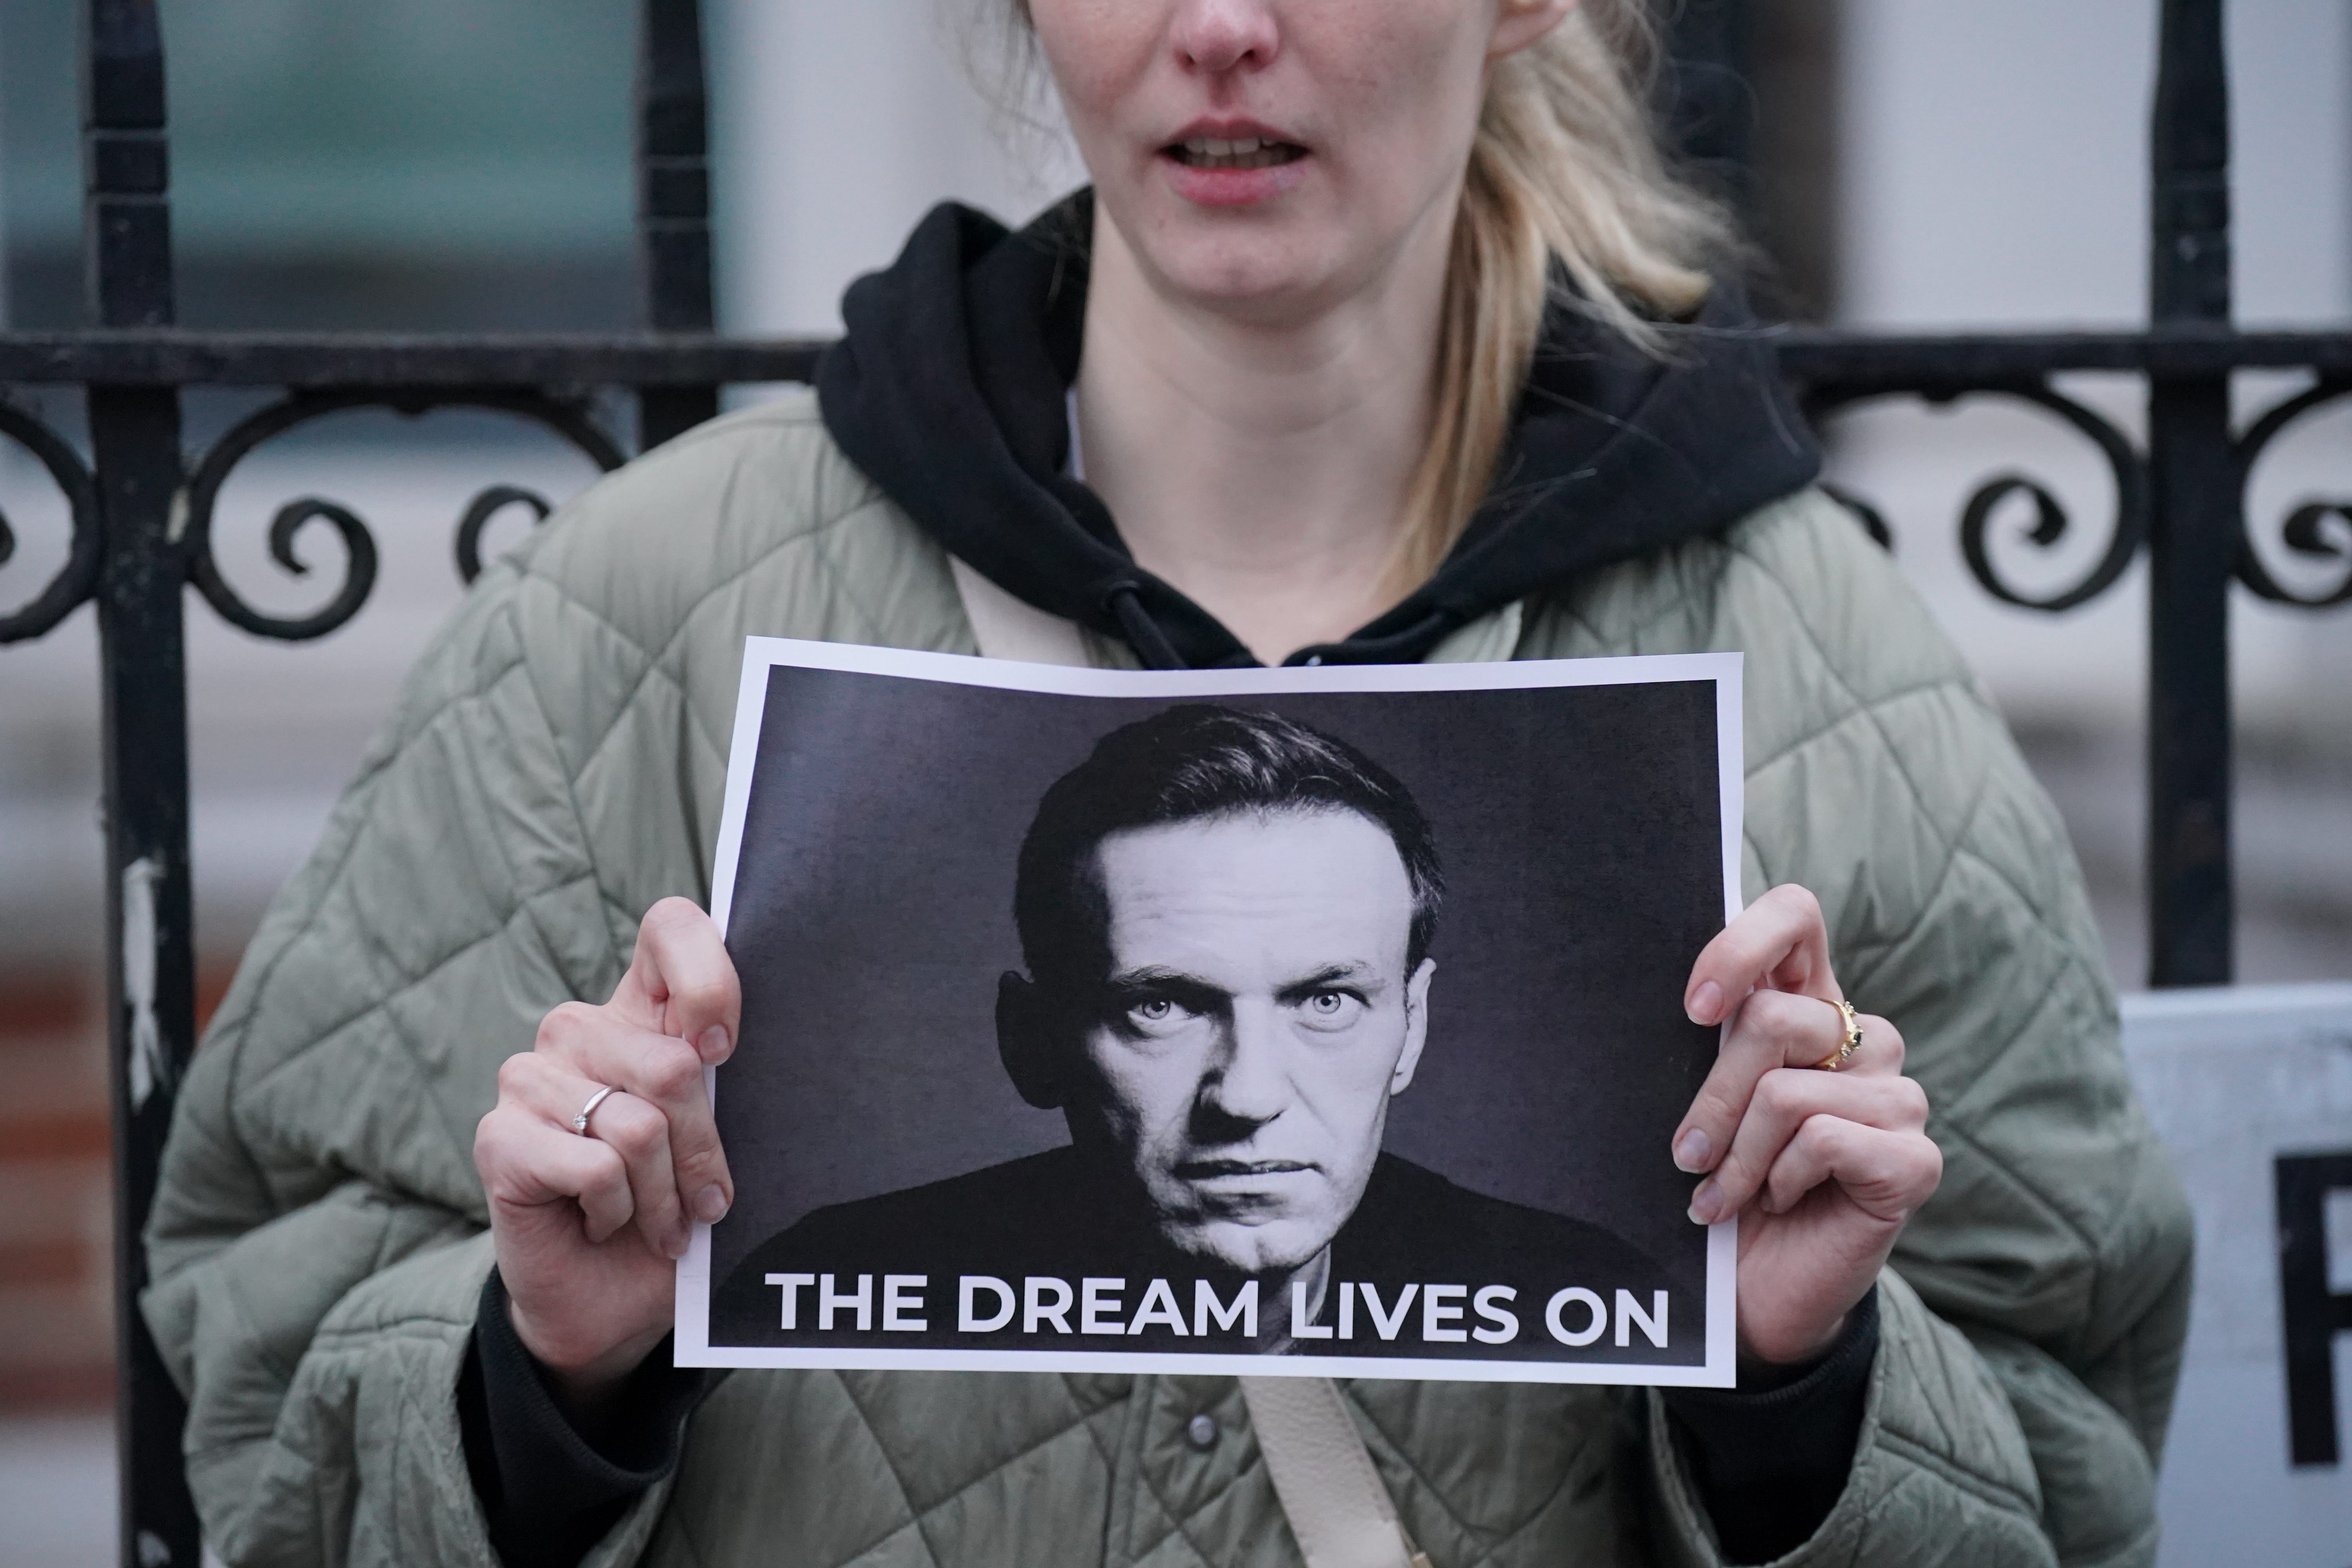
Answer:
(1027, 1041)
(1520, 23)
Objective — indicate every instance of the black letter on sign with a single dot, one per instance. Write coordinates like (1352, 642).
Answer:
(2314, 1315)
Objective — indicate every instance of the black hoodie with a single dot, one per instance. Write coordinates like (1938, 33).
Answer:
(950, 392)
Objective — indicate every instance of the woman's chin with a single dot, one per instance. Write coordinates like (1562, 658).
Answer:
(1262, 280)
(1273, 264)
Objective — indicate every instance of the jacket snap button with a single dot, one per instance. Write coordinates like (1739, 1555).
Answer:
(1201, 1431)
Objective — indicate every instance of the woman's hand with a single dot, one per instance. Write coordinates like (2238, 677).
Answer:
(589, 1228)
(1822, 1168)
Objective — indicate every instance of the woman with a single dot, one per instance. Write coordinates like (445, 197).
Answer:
(1383, 337)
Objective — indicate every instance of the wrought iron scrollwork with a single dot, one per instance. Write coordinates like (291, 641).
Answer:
(2051, 523)
(479, 512)
(566, 419)
(359, 572)
(77, 580)
(2306, 529)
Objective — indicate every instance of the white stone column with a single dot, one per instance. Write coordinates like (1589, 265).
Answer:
(835, 127)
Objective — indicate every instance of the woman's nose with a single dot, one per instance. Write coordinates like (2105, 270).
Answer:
(1219, 36)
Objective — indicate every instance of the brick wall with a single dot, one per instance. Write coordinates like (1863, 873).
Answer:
(56, 1295)
(56, 1325)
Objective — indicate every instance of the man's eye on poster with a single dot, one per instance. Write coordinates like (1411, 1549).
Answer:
(1311, 1020)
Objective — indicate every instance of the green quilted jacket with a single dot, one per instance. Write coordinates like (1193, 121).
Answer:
(555, 768)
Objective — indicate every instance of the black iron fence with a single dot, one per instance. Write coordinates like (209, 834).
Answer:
(142, 514)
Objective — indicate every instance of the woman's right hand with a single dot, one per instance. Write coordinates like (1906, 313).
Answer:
(589, 1229)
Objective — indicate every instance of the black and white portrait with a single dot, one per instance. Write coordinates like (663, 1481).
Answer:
(1284, 1021)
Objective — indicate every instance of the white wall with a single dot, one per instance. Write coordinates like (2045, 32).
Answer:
(1997, 161)
(1994, 160)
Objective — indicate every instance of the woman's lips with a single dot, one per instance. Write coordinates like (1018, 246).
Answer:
(1235, 172)
(1250, 151)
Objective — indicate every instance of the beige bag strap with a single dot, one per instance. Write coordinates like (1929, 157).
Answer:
(1338, 1509)
(1007, 627)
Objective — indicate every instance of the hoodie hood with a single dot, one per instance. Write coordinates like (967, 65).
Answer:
(950, 390)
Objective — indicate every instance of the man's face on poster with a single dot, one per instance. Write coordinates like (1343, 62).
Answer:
(1253, 1017)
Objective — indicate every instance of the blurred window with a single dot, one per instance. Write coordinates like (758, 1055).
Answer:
(391, 163)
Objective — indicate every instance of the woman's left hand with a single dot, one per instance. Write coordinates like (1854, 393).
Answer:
(1822, 1168)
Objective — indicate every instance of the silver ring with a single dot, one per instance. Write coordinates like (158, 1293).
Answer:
(580, 1123)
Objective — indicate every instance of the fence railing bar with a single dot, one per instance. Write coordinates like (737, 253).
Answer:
(2195, 517)
(1931, 365)
(1919, 363)
(674, 207)
(313, 361)
(134, 434)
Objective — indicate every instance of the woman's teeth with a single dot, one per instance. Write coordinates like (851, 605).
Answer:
(1248, 153)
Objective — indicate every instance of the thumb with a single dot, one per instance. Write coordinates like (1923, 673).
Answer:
(1779, 943)
(682, 982)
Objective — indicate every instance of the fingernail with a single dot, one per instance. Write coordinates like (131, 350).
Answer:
(1705, 1203)
(710, 1204)
(677, 1245)
(1707, 1002)
(1691, 1153)
(713, 1043)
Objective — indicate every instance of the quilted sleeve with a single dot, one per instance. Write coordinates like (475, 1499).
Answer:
(2058, 1248)
(1940, 1475)
(554, 769)
(315, 1247)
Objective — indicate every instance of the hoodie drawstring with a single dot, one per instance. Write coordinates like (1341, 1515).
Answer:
(1125, 601)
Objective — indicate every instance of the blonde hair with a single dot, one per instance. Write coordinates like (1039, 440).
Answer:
(1566, 180)
(1566, 167)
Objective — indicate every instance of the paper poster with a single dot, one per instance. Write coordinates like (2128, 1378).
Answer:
(1308, 1020)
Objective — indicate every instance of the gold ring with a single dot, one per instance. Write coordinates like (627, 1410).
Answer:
(1853, 1042)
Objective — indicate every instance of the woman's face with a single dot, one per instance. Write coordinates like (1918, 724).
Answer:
(1274, 157)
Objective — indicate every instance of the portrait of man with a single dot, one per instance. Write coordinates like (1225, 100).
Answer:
(1227, 922)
